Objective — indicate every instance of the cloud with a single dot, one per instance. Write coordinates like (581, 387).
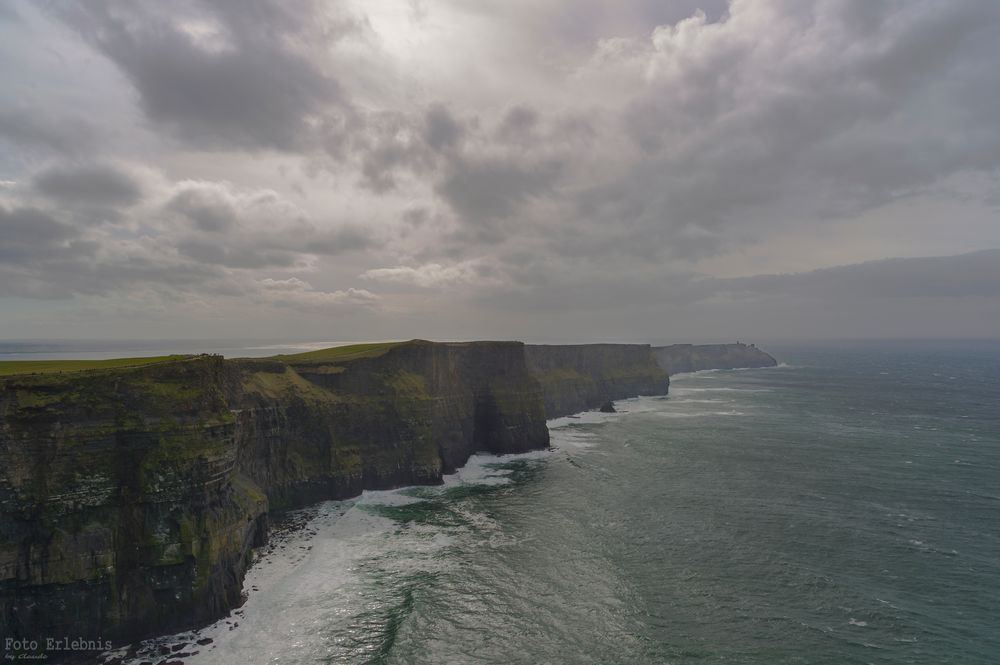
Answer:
(241, 228)
(972, 275)
(220, 74)
(294, 292)
(30, 234)
(442, 130)
(435, 275)
(198, 237)
(209, 207)
(88, 185)
(490, 189)
(507, 157)
(32, 128)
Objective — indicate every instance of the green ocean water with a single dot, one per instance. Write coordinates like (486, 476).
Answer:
(844, 508)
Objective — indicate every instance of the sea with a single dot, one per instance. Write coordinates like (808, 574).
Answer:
(843, 507)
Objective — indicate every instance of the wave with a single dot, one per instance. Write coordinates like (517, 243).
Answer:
(701, 414)
(702, 372)
(337, 580)
(721, 389)
(699, 401)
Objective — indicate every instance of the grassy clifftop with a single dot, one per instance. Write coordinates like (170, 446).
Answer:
(343, 353)
(15, 367)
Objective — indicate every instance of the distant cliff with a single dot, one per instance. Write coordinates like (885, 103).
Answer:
(131, 497)
(581, 377)
(694, 358)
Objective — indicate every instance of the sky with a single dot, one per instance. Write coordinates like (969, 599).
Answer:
(546, 170)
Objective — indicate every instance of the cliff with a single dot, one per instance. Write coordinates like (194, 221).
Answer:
(133, 491)
(332, 423)
(132, 496)
(121, 507)
(694, 358)
(581, 377)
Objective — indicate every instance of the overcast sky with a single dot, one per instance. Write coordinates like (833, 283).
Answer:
(675, 170)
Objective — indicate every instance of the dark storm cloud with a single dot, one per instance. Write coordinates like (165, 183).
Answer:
(88, 185)
(221, 74)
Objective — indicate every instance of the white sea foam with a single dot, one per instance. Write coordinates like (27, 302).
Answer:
(312, 583)
(699, 414)
(684, 390)
(699, 401)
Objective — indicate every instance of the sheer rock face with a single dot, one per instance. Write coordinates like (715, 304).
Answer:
(694, 358)
(131, 498)
(581, 377)
(121, 506)
(313, 429)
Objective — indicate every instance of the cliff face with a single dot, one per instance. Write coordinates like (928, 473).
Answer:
(131, 498)
(580, 377)
(694, 358)
(314, 428)
(122, 507)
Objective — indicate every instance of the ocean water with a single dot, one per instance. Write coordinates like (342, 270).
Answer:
(843, 508)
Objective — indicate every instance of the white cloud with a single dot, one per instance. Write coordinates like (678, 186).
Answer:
(294, 292)
(436, 275)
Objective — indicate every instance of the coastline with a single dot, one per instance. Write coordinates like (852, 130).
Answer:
(265, 437)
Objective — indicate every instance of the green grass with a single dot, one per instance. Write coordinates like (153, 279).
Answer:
(11, 367)
(338, 353)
